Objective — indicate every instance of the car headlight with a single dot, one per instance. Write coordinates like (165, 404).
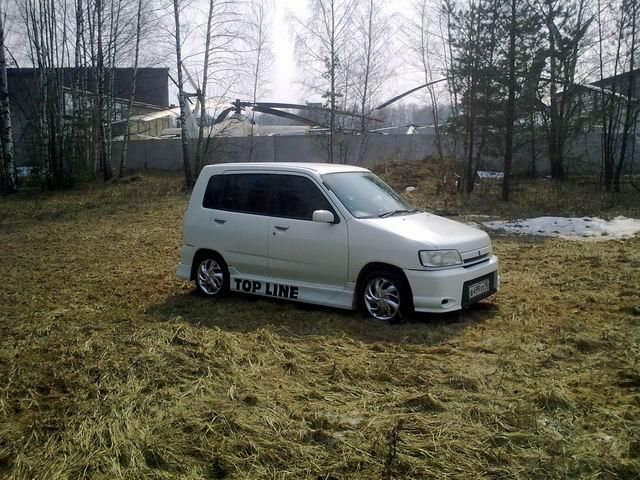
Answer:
(440, 258)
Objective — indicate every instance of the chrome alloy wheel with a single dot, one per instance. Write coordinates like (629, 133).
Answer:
(382, 298)
(210, 277)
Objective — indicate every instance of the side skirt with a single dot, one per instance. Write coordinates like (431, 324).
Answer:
(297, 291)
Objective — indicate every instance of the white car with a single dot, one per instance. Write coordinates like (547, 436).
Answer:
(332, 235)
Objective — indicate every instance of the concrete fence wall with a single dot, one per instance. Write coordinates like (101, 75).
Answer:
(166, 154)
(583, 155)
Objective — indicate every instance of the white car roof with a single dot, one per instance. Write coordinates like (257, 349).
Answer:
(319, 168)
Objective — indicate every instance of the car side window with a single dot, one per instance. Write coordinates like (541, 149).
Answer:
(213, 193)
(298, 197)
(247, 193)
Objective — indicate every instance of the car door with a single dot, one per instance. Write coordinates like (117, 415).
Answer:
(239, 204)
(301, 250)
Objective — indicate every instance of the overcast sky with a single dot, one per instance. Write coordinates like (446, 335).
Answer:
(285, 86)
(285, 75)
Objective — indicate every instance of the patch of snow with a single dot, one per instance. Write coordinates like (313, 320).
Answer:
(24, 171)
(490, 174)
(586, 228)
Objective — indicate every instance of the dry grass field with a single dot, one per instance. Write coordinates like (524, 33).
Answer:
(111, 368)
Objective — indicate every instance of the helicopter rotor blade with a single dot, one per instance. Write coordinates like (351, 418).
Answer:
(287, 115)
(190, 78)
(310, 108)
(186, 94)
(221, 117)
(271, 108)
(409, 92)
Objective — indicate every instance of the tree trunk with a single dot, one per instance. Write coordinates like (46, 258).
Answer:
(468, 170)
(511, 105)
(76, 122)
(555, 153)
(630, 104)
(364, 136)
(8, 170)
(114, 26)
(188, 176)
(332, 93)
(202, 94)
(453, 93)
(105, 163)
(260, 35)
(532, 145)
(127, 134)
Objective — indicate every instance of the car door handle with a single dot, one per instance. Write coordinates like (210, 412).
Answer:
(219, 221)
(282, 228)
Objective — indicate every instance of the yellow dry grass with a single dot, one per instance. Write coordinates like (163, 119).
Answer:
(112, 368)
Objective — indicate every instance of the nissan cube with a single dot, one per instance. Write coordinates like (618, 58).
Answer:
(329, 234)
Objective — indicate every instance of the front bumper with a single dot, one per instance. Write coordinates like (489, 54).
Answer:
(440, 291)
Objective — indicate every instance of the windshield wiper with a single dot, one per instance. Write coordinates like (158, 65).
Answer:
(397, 212)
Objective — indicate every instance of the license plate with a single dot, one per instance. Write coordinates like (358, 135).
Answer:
(479, 288)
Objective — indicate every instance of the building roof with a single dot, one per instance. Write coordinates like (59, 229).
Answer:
(620, 77)
(152, 84)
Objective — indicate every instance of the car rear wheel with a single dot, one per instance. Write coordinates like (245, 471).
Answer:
(385, 296)
(212, 277)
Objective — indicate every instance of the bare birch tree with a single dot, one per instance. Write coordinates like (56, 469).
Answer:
(445, 19)
(216, 62)
(116, 8)
(373, 64)
(8, 182)
(74, 48)
(426, 48)
(103, 161)
(511, 101)
(201, 91)
(321, 42)
(78, 91)
(43, 26)
(132, 95)
(616, 102)
(631, 108)
(260, 49)
(182, 98)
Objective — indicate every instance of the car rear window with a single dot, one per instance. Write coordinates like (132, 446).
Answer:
(247, 193)
(290, 196)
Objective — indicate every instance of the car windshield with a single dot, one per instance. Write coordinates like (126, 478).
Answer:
(365, 195)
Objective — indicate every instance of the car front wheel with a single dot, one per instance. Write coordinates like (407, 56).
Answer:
(385, 296)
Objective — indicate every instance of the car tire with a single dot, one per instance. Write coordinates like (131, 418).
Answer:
(386, 296)
(211, 276)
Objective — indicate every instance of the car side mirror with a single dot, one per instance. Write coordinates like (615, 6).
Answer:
(323, 216)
